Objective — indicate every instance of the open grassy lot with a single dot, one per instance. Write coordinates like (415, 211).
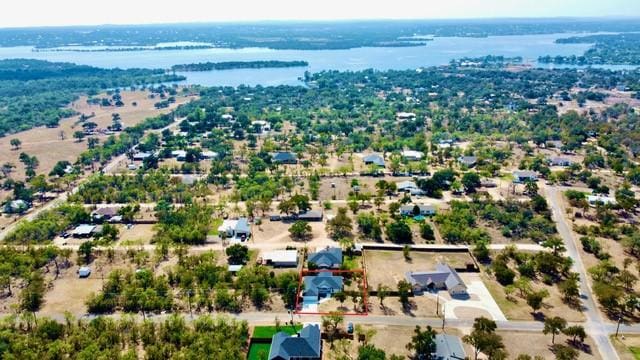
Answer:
(516, 308)
(628, 346)
(389, 267)
(533, 344)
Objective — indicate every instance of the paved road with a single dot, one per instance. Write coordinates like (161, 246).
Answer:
(256, 318)
(595, 325)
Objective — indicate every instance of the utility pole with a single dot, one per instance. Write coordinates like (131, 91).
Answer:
(443, 316)
(619, 322)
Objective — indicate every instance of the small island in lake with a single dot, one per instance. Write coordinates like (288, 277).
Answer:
(229, 65)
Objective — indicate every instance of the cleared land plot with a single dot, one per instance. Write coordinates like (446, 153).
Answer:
(389, 267)
(137, 235)
(533, 344)
(516, 308)
(46, 144)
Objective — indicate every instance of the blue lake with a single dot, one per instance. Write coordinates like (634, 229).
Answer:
(440, 51)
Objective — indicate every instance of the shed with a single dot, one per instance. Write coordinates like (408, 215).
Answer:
(281, 258)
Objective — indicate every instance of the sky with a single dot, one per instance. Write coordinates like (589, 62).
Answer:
(23, 13)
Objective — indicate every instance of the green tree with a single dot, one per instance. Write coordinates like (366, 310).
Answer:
(340, 226)
(237, 254)
(404, 291)
(15, 144)
(300, 231)
(554, 326)
(471, 181)
(370, 352)
(423, 343)
(399, 232)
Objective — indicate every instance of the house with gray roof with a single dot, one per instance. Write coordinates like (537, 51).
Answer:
(406, 186)
(443, 278)
(236, 230)
(468, 161)
(374, 159)
(311, 215)
(522, 176)
(284, 157)
(322, 285)
(449, 347)
(329, 258)
(559, 161)
(306, 345)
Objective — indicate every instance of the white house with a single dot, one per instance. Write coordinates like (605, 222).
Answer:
(281, 258)
(412, 155)
(600, 199)
(425, 210)
(522, 176)
(261, 126)
(237, 230)
(403, 116)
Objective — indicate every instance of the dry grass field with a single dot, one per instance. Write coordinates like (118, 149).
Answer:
(517, 308)
(533, 343)
(46, 143)
(628, 346)
(389, 267)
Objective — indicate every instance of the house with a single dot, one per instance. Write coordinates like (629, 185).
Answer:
(322, 285)
(412, 155)
(16, 206)
(329, 258)
(600, 199)
(425, 210)
(84, 272)
(140, 156)
(446, 144)
(235, 268)
(374, 159)
(557, 144)
(406, 186)
(449, 347)
(311, 215)
(488, 184)
(306, 345)
(208, 155)
(284, 157)
(236, 230)
(404, 116)
(227, 117)
(468, 161)
(104, 213)
(84, 231)
(281, 258)
(522, 176)
(559, 161)
(443, 278)
(261, 126)
(180, 155)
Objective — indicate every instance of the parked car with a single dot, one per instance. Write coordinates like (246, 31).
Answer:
(350, 328)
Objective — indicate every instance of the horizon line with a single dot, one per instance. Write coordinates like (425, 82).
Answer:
(311, 21)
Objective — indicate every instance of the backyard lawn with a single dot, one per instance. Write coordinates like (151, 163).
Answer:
(267, 332)
(256, 350)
